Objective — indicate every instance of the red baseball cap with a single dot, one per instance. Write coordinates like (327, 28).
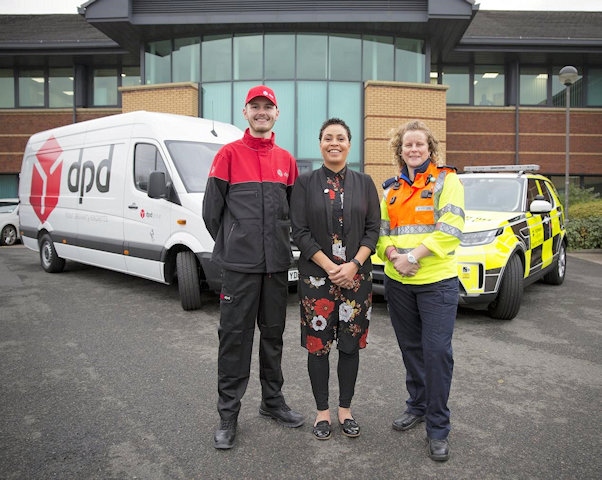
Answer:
(261, 91)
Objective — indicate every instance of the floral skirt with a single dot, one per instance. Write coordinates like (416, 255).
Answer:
(330, 313)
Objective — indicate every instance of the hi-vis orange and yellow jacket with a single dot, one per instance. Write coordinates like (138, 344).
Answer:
(429, 211)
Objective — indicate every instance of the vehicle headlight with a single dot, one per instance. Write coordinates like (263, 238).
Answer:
(480, 238)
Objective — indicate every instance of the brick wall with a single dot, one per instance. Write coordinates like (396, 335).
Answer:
(487, 136)
(387, 105)
(19, 125)
(179, 98)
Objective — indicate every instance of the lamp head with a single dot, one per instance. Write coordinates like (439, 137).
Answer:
(568, 75)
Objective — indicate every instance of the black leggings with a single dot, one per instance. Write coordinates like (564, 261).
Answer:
(318, 367)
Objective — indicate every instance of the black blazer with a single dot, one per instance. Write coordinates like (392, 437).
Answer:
(311, 208)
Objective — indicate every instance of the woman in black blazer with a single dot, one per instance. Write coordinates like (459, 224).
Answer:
(335, 216)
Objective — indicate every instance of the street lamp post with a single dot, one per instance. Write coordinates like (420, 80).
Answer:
(567, 75)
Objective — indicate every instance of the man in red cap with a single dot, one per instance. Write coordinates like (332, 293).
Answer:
(246, 211)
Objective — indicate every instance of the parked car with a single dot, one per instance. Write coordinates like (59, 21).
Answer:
(9, 221)
(514, 235)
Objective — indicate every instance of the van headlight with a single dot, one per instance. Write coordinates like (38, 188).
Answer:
(480, 238)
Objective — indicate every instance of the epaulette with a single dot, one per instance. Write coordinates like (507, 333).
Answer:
(390, 181)
(448, 166)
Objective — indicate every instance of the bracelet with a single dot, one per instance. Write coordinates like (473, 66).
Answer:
(357, 263)
(389, 254)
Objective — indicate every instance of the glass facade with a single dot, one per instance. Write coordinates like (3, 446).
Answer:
(321, 79)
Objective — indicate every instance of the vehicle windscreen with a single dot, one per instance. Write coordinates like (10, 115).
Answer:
(493, 194)
(193, 161)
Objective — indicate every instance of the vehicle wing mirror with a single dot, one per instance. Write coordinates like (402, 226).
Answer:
(157, 185)
(540, 206)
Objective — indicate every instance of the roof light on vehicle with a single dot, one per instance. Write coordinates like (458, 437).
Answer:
(501, 168)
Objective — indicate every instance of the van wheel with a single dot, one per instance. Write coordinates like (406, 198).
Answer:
(507, 303)
(556, 276)
(49, 259)
(8, 235)
(188, 280)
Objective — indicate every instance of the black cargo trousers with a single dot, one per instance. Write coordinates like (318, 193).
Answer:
(247, 298)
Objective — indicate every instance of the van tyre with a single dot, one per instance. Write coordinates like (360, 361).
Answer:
(556, 276)
(49, 259)
(188, 280)
(510, 294)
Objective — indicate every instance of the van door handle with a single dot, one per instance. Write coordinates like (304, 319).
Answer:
(133, 206)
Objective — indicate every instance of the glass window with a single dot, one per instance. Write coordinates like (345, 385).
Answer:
(489, 85)
(458, 79)
(216, 62)
(186, 59)
(147, 159)
(130, 76)
(311, 56)
(217, 101)
(104, 87)
(285, 125)
(7, 88)
(157, 61)
(239, 93)
(279, 63)
(248, 57)
(533, 86)
(594, 87)
(31, 88)
(311, 113)
(60, 88)
(409, 60)
(378, 58)
(345, 102)
(345, 54)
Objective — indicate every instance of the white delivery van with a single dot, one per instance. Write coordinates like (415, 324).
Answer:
(125, 192)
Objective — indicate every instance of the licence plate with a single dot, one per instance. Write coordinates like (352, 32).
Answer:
(293, 275)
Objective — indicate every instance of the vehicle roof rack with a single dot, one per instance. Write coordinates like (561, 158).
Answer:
(502, 168)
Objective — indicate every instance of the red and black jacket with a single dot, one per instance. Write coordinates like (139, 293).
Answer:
(246, 205)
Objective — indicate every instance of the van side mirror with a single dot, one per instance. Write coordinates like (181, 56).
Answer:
(157, 186)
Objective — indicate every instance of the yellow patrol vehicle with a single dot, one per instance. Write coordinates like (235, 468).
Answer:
(514, 235)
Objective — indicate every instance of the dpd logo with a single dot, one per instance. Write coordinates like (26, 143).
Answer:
(46, 179)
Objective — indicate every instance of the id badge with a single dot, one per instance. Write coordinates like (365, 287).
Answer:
(338, 250)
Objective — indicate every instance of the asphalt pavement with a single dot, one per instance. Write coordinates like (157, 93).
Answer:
(104, 376)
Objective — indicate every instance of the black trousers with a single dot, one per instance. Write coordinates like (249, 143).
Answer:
(247, 299)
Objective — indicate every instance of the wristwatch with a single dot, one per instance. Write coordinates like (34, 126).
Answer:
(356, 262)
(412, 258)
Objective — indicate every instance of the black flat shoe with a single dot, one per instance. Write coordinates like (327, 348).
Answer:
(322, 430)
(350, 428)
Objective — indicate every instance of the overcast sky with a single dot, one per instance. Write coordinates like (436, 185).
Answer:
(70, 6)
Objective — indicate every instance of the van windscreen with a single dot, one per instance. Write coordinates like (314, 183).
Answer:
(193, 161)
